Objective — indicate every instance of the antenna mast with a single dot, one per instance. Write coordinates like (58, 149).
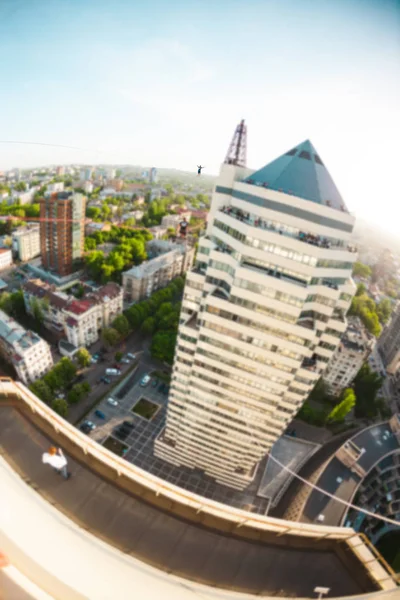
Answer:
(237, 152)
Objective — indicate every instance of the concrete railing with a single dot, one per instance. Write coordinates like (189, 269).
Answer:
(184, 503)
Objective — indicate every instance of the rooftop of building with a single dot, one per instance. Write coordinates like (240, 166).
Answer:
(292, 452)
(356, 337)
(107, 292)
(194, 551)
(149, 267)
(15, 335)
(374, 442)
(79, 307)
(300, 172)
(42, 289)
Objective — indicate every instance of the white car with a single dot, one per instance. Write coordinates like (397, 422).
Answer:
(126, 361)
(145, 380)
(112, 402)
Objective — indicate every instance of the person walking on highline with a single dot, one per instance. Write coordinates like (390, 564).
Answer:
(56, 459)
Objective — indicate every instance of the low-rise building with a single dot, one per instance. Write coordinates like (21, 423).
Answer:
(26, 242)
(80, 320)
(92, 227)
(26, 351)
(86, 318)
(158, 231)
(5, 258)
(171, 221)
(353, 350)
(170, 261)
(53, 188)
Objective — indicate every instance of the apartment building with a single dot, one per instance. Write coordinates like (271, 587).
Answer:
(26, 242)
(262, 313)
(5, 258)
(353, 350)
(170, 260)
(389, 343)
(84, 319)
(44, 298)
(80, 320)
(25, 350)
(62, 231)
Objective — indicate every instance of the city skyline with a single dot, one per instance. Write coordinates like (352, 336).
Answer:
(326, 73)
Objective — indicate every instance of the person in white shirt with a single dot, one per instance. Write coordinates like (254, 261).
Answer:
(56, 459)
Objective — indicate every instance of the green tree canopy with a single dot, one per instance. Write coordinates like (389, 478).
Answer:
(121, 324)
(42, 391)
(148, 326)
(384, 310)
(346, 404)
(83, 357)
(60, 406)
(110, 336)
(361, 270)
(366, 386)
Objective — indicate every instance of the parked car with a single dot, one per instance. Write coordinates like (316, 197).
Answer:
(87, 426)
(166, 390)
(113, 372)
(128, 424)
(105, 380)
(122, 435)
(126, 361)
(131, 356)
(154, 383)
(145, 380)
(161, 387)
(112, 402)
(99, 414)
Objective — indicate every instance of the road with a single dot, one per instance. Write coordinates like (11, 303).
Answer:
(135, 344)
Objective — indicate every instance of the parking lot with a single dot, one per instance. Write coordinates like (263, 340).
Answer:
(137, 446)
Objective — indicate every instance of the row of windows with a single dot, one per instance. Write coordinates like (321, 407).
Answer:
(247, 354)
(235, 377)
(287, 230)
(270, 312)
(252, 340)
(268, 292)
(295, 339)
(243, 367)
(321, 300)
(281, 251)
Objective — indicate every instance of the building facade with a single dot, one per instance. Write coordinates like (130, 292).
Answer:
(173, 260)
(353, 350)
(62, 232)
(26, 242)
(389, 343)
(5, 258)
(80, 320)
(25, 350)
(84, 319)
(262, 313)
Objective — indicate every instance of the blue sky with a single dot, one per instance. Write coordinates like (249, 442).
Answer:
(164, 83)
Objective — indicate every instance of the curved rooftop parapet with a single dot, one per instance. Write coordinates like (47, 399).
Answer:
(174, 530)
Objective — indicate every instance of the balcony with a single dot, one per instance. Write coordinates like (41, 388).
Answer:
(308, 238)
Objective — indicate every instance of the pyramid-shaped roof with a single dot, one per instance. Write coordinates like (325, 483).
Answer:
(300, 172)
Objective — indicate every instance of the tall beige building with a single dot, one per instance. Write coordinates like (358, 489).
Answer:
(262, 313)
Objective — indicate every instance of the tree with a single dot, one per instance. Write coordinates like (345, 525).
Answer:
(121, 324)
(163, 346)
(20, 186)
(339, 412)
(93, 212)
(90, 244)
(83, 357)
(384, 310)
(118, 356)
(110, 336)
(366, 386)
(148, 326)
(78, 391)
(60, 406)
(42, 391)
(65, 370)
(361, 289)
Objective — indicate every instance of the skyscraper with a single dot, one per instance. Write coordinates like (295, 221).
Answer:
(62, 232)
(263, 311)
(153, 175)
